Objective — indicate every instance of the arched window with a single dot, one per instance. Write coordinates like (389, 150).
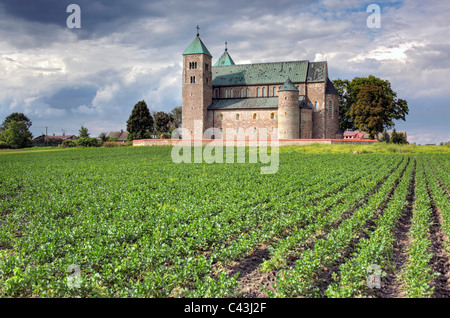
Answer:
(254, 130)
(247, 92)
(226, 93)
(242, 92)
(238, 117)
(274, 91)
(330, 110)
(310, 104)
(315, 105)
(192, 79)
(264, 92)
(231, 93)
(272, 116)
(257, 92)
(217, 93)
(221, 117)
(254, 116)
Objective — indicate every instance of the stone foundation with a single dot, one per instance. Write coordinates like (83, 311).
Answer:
(281, 142)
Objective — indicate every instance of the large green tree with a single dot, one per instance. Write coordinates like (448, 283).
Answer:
(140, 123)
(16, 117)
(369, 111)
(162, 122)
(348, 91)
(17, 135)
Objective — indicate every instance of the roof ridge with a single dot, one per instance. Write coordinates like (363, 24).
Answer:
(264, 63)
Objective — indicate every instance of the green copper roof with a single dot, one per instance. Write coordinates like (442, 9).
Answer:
(244, 103)
(225, 60)
(249, 103)
(269, 73)
(288, 86)
(259, 74)
(317, 72)
(197, 47)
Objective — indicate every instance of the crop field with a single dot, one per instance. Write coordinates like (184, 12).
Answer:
(129, 222)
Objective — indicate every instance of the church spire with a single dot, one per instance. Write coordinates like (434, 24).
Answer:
(197, 46)
(225, 59)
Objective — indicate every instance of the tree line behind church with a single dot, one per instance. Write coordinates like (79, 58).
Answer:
(143, 125)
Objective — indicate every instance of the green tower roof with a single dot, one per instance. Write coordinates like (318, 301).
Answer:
(197, 47)
(288, 86)
(225, 60)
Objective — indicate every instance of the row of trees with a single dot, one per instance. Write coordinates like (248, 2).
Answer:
(15, 133)
(143, 125)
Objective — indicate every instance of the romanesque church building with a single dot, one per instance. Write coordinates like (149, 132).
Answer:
(291, 100)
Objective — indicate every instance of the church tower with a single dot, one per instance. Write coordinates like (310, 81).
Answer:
(288, 111)
(196, 88)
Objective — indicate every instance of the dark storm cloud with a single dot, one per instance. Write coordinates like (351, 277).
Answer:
(72, 97)
(102, 17)
(95, 14)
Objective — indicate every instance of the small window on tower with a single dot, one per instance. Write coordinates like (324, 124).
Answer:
(264, 92)
(221, 117)
(247, 92)
(231, 93)
(237, 117)
(206, 66)
(242, 92)
(254, 116)
(274, 91)
(217, 93)
(272, 116)
(192, 79)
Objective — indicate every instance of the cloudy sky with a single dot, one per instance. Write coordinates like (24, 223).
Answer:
(126, 51)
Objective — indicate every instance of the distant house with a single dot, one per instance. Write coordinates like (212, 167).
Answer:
(52, 140)
(354, 135)
(364, 135)
(62, 137)
(120, 135)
